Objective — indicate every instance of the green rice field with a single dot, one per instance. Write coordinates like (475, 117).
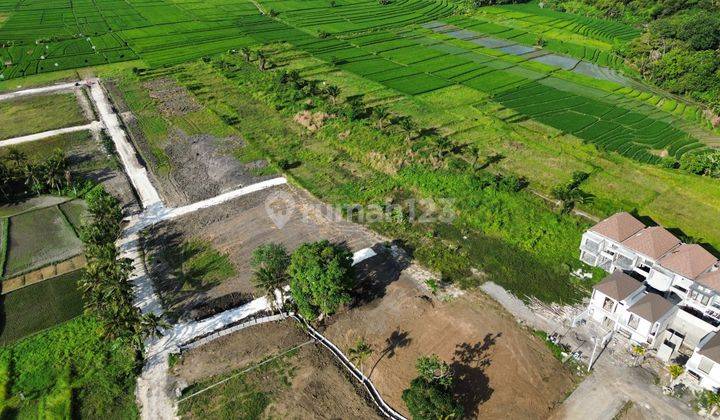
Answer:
(23, 315)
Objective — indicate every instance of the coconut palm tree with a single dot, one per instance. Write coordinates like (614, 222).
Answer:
(360, 352)
(270, 262)
(333, 92)
(380, 114)
(261, 60)
(245, 51)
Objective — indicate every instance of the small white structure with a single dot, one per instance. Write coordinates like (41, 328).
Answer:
(704, 364)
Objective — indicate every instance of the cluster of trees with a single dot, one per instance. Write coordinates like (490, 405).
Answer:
(430, 395)
(707, 163)
(107, 290)
(20, 177)
(320, 275)
(679, 47)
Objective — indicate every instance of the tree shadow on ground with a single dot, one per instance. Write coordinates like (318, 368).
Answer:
(374, 275)
(181, 288)
(397, 340)
(472, 385)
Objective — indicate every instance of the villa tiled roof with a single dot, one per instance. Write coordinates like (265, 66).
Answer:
(619, 226)
(710, 279)
(711, 349)
(618, 285)
(653, 242)
(688, 260)
(651, 307)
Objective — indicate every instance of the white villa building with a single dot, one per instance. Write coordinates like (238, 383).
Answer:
(660, 293)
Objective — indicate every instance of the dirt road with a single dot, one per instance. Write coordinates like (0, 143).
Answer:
(93, 126)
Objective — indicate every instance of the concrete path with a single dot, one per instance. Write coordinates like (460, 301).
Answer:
(136, 172)
(44, 89)
(93, 126)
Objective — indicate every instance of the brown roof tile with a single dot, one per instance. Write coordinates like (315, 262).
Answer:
(651, 307)
(618, 285)
(710, 279)
(653, 242)
(711, 349)
(619, 226)
(688, 260)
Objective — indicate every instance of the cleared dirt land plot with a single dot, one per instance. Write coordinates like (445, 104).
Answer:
(305, 383)
(235, 229)
(40, 306)
(87, 157)
(502, 371)
(192, 155)
(38, 238)
(35, 114)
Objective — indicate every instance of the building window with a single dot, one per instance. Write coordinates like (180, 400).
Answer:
(608, 304)
(634, 321)
(699, 297)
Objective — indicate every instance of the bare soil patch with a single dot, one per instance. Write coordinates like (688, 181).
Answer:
(235, 229)
(173, 99)
(502, 370)
(307, 383)
(203, 167)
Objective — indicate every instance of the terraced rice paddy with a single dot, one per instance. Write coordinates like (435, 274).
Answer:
(573, 83)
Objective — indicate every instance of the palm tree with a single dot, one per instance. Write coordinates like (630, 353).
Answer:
(270, 262)
(380, 114)
(245, 51)
(408, 126)
(332, 91)
(261, 60)
(55, 168)
(152, 324)
(360, 352)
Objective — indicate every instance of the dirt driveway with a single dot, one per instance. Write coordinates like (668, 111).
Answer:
(503, 371)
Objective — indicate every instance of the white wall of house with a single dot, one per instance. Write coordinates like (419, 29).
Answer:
(705, 368)
(692, 327)
(642, 330)
(618, 309)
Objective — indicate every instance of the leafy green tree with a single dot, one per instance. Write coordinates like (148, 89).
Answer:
(321, 277)
(360, 352)
(430, 396)
(245, 51)
(261, 60)
(270, 263)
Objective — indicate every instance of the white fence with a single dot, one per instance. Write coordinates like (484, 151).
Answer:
(373, 392)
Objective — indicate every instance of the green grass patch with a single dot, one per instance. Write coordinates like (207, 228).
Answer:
(38, 238)
(36, 114)
(248, 393)
(70, 359)
(196, 264)
(40, 306)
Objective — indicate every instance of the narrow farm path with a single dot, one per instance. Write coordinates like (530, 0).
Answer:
(42, 90)
(93, 126)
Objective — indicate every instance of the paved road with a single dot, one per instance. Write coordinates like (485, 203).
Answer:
(136, 172)
(93, 126)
